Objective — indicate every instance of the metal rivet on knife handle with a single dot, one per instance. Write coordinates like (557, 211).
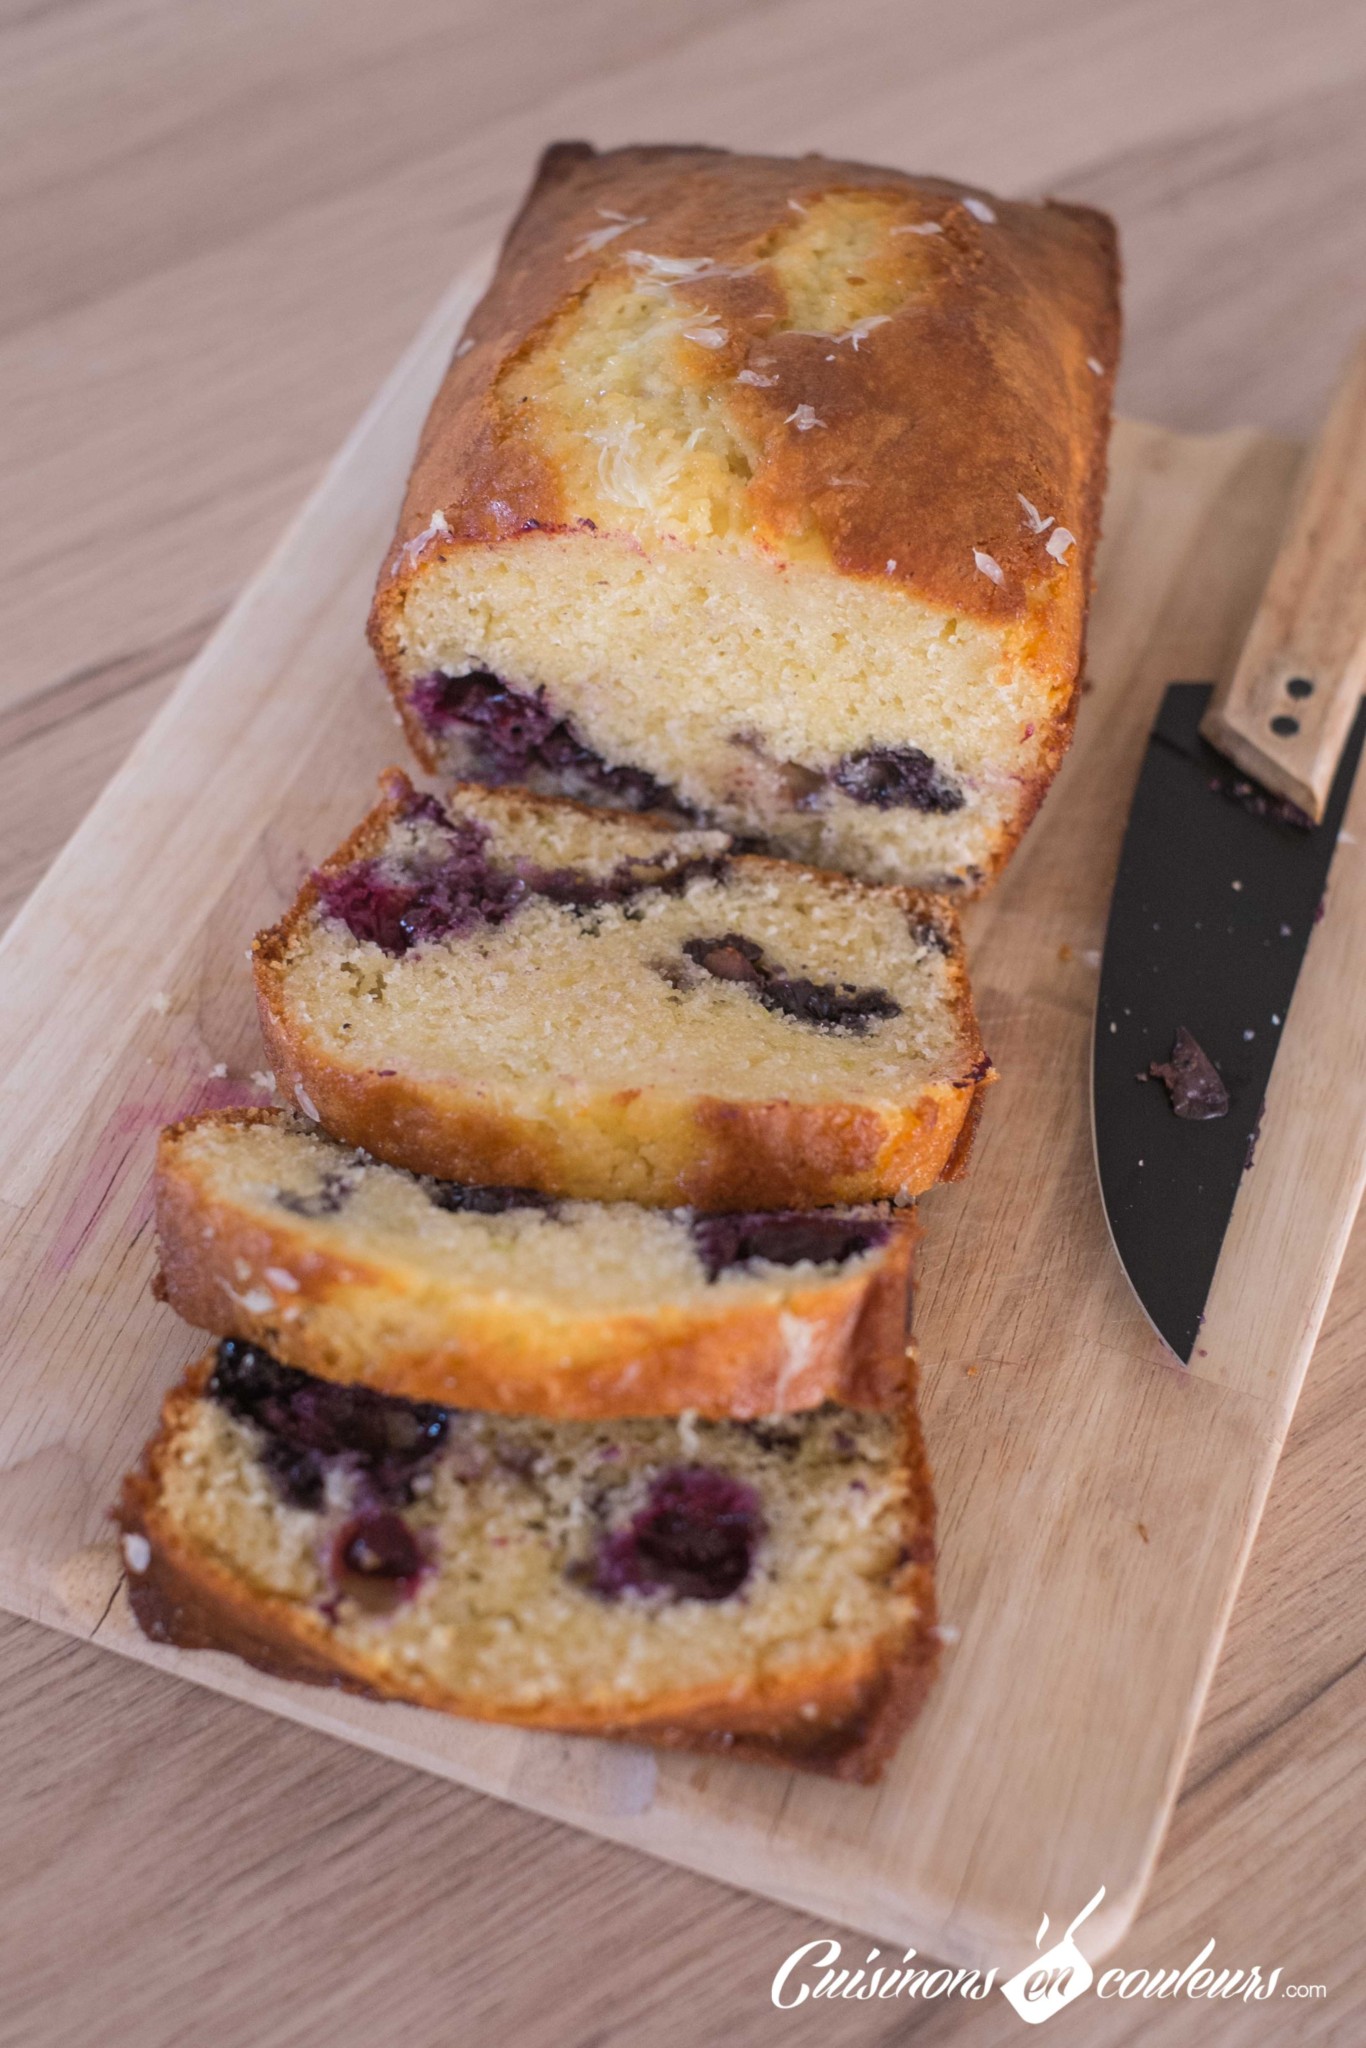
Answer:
(1308, 639)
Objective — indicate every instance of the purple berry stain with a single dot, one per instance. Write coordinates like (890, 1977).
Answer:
(694, 1539)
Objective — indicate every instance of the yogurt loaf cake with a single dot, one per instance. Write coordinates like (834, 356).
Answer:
(515, 991)
(765, 1588)
(766, 489)
(502, 1299)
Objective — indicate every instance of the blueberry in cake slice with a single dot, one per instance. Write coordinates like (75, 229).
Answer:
(503, 1299)
(511, 990)
(766, 488)
(762, 1587)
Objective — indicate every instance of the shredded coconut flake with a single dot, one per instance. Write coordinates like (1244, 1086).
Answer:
(757, 378)
(864, 328)
(463, 348)
(219, 1072)
(707, 337)
(264, 1080)
(688, 1438)
(669, 267)
(281, 1281)
(610, 213)
(799, 1341)
(919, 227)
(1037, 524)
(891, 566)
(796, 206)
(979, 210)
(804, 418)
(408, 554)
(1059, 542)
(137, 1553)
(1095, 366)
(257, 1301)
(988, 565)
(598, 238)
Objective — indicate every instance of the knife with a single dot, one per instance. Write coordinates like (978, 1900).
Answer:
(1221, 882)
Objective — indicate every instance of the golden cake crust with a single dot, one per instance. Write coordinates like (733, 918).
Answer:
(349, 1319)
(990, 388)
(662, 1150)
(842, 1720)
(995, 364)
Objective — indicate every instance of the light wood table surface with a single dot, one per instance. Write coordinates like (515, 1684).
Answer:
(219, 224)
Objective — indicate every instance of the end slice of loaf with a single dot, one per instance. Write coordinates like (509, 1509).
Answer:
(769, 487)
(501, 1299)
(761, 1588)
(516, 990)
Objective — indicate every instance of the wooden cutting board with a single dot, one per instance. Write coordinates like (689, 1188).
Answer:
(1096, 1503)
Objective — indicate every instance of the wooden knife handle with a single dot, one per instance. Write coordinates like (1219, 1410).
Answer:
(1285, 715)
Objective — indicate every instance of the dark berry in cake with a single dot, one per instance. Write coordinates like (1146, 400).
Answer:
(377, 1544)
(330, 1196)
(784, 1237)
(446, 887)
(311, 1425)
(840, 1006)
(460, 1196)
(694, 1538)
(512, 734)
(628, 879)
(896, 778)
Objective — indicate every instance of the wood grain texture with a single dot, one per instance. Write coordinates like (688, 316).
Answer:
(221, 226)
(1288, 707)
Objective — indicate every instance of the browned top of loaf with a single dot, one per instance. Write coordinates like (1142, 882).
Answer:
(979, 388)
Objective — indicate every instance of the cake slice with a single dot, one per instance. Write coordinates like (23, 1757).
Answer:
(759, 1587)
(499, 1298)
(767, 488)
(516, 991)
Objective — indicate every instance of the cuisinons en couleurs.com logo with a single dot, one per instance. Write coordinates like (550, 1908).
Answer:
(1053, 1979)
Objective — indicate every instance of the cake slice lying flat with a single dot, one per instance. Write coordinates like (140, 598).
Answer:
(769, 488)
(764, 1588)
(501, 1299)
(516, 991)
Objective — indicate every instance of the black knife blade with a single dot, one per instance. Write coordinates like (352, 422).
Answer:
(1217, 894)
